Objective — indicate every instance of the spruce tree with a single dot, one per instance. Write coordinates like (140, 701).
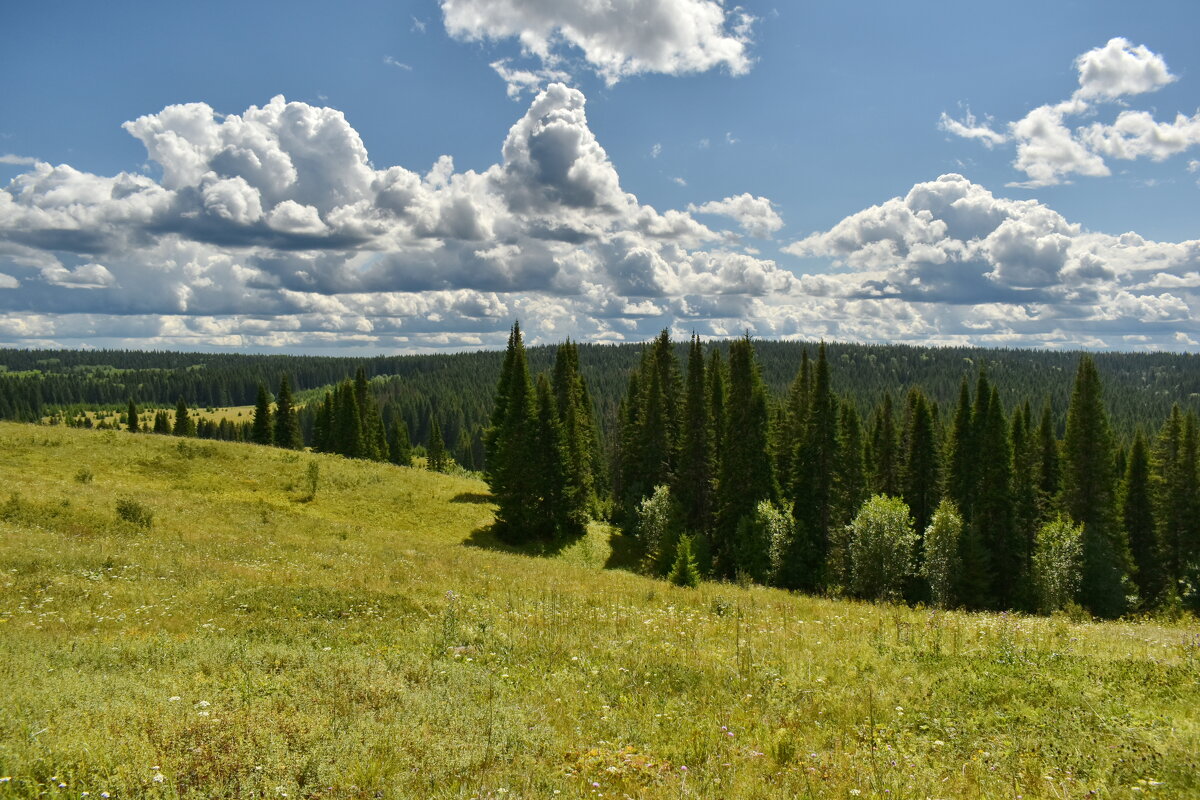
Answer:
(162, 422)
(1089, 494)
(132, 415)
(793, 422)
(263, 431)
(1137, 516)
(183, 422)
(515, 485)
(347, 432)
(560, 511)
(993, 502)
(287, 423)
(1024, 498)
(746, 475)
(1049, 470)
(694, 478)
(885, 450)
(812, 482)
(574, 413)
(920, 477)
(323, 425)
(399, 445)
(374, 443)
(435, 458)
(684, 571)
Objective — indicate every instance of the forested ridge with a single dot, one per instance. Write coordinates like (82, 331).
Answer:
(743, 459)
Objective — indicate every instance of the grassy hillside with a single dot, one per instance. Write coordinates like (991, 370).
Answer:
(372, 641)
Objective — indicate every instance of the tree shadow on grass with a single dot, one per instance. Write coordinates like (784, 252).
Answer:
(485, 538)
(624, 552)
(479, 498)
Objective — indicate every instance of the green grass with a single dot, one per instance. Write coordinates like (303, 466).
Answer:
(374, 641)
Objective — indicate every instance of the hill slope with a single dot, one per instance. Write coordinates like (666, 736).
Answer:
(369, 641)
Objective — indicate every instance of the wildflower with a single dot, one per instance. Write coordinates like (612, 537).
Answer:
(159, 777)
(174, 699)
(203, 704)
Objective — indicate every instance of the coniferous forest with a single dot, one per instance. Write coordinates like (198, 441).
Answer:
(957, 477)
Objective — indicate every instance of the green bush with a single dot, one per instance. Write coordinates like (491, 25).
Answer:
(134, 512)
(1058, 564)
(943, 538)
(882, 541)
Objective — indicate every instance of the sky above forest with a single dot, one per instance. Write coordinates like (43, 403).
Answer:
(399, 177)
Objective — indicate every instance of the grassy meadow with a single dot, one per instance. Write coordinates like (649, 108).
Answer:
(181, 618)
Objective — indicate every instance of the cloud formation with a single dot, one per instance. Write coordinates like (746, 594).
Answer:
(272, 228)
(617, 39)
(1051, 148)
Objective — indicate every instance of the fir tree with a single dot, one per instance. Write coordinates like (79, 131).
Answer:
(132, 416)
(812, 487)
(885, 450)
(684, 571)
(1024, 498)
(323, 425)
(694, 478)
(793, 422)
(399, 445)
(263, 431)
(162, 422)
(287, 424)
(1049, 471)
(1089, 494)
(1137, 515)
(746, 476)
(183, 422)
(346, 433)
(578, 430)
(435, 458)
(920, 478)
(993, 501)
(511, 440)
(374, 443)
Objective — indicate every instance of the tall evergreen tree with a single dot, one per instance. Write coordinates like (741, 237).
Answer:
(574, 414)
(374, 443)
(436, 459)
(346, 435)
(694, 478)
(263, 431)
(920, 475)
(746, 476)
(511, 442)
(162, 422)
(132, 415)
(849, 476)
(1024, 499)
(399, 445)
(1089, 494)
(287, 424)
(1049, 471)
(813, 475)
(560, 511)
(183, 422)
(885, 450)
(793, 422)
(993, 502)
(1137, 516)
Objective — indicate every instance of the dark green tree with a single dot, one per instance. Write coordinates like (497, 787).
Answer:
(992, 516)
(183, 422)
(813, 468)
(399, 445)
(132, 415)
(694, 478)
(885, 450)
(162, 422)
(263, 431)
(1137, 515)
(574, 414)
(436, 459)
(1089, 494)
(920, 470)
(510, 445)
(287, 424)
(746, 476)
(1049, 470)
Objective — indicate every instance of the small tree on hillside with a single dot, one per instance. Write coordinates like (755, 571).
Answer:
(1058, 564)
(882, 542)
(262, 432)
(684, 572)
(399, 445)
(132, 416)
(183, 423)
(287, 424)
(657, 529)
(943, 539)
(436, 459)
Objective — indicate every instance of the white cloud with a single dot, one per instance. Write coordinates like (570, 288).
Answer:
(8, 281)
(656, 150)
(21, 161)
(971, 128)
(86, 276)
(1118, 69)
(755, 215)
(618, 38)
(392, 62)
(1050, 150)
(518, 81)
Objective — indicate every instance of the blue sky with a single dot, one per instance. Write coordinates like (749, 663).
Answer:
(1020, 174)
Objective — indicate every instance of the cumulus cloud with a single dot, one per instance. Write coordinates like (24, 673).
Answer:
(992, 266)
(1051, 148)
(755, 214)
(272, 226)
(8, 281)
(617, 39)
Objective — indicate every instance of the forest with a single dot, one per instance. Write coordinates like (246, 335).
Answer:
(989, 479)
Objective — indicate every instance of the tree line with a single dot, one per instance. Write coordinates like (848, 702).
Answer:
(985, 505)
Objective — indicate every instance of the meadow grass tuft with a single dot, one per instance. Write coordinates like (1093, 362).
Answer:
(265, 639)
